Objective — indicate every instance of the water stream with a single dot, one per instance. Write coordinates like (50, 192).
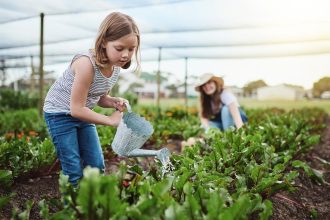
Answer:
(163, 156)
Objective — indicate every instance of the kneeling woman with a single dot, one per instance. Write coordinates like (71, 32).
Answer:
(219, 107)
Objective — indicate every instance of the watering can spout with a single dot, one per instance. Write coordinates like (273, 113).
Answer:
(162, 154)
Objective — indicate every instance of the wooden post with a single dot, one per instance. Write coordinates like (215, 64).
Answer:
(41, 65)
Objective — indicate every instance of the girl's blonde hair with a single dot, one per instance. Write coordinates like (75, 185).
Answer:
(113, 27)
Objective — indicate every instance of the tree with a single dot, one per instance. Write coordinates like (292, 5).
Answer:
(321, 86)
(251, 87)
(152, 77)
(174, 90)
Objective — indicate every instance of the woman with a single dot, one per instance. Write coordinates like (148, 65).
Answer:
(219, 107)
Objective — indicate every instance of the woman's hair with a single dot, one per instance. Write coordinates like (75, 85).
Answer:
(206, 102)
(113, 27)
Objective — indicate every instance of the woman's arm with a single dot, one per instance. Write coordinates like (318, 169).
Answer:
(234, 111)
(84, 73)
(204, 122)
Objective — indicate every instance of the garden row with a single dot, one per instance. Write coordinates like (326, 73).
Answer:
(229, 175)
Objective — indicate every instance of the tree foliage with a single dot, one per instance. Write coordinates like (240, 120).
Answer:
(252, 86)
(320, 86)
(11, 99)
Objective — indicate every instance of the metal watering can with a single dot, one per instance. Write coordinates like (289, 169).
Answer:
(133, 131)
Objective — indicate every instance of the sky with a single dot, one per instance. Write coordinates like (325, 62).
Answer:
(278, 41)
(303, 71)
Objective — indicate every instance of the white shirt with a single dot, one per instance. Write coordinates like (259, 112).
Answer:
(228, 97)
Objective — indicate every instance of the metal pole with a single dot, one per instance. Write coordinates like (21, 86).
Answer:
(32, 82)
(3, 72)
(158, 81)
(185, 85)
(41, 65)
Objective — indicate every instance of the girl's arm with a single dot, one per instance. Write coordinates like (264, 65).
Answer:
(234, 111)
(84, 73)
(107, 101)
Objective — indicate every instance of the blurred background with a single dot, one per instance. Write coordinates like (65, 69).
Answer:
(273, 55)
(270, 53)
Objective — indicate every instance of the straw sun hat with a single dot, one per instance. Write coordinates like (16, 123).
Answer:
(207, 77)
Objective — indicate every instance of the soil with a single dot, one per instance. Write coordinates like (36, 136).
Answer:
(310, 200)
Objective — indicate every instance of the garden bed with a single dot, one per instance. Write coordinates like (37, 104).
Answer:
(310, 200)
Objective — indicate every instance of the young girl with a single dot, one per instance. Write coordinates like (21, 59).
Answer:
(219, 107)
(84, 84)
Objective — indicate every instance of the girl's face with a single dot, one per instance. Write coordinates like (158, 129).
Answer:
(209, 88)
(120, 51)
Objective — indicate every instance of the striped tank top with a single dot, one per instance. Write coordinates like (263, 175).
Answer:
(58, 96)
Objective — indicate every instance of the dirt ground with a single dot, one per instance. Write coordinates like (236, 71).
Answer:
(309, 201)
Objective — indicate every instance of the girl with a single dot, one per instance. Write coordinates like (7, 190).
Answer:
(219, 107)
(84, 84)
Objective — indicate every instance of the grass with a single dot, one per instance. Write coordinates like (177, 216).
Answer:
(286, 104)
(248, 103)
(169, 102)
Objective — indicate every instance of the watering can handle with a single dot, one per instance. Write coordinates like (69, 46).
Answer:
(128, 106)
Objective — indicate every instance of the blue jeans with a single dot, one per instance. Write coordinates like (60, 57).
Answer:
(77, 144)
(224, 119)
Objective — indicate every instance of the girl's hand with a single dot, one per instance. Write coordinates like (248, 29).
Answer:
(120, 104)
(115, 118)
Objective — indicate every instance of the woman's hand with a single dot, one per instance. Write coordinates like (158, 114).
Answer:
(205, 123)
